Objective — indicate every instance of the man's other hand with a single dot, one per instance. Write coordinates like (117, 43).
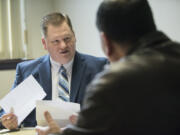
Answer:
(53, 127)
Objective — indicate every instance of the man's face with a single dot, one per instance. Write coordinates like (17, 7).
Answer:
(60, 43)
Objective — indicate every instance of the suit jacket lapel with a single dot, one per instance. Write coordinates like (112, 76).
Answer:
(43, 75)
(77, 72)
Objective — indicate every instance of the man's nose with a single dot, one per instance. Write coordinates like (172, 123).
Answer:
(63, 45)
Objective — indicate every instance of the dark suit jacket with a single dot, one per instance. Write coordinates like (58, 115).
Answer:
(139, 95)
(85, 67)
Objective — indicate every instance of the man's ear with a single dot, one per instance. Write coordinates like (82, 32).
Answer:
(74, 38)
(44, 43)
(106, 44)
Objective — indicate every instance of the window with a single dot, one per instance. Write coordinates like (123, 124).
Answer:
(12, 45)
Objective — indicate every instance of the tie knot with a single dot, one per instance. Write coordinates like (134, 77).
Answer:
(63, 73)
(62, 69)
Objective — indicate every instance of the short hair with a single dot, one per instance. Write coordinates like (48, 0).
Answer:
(125, 20)
(54, 19)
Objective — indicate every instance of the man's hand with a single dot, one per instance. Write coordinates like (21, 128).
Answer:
(53, 127)
(9, 121)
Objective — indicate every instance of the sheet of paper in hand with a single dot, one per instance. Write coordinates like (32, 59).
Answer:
(59, 110)
(23, 98)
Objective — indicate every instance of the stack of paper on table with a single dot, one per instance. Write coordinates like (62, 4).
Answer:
(59, 110)
(23, 98)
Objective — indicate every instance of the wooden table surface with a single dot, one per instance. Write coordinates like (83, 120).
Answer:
(23, 131)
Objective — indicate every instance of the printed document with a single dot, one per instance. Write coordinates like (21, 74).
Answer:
(23, 98)
(59, 110)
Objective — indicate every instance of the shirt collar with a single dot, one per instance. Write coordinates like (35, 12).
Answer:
(55, 65)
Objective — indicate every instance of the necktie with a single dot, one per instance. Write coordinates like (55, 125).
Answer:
(63, 85)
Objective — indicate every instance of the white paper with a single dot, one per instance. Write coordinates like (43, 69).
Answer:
(59, 110)
(23, 98)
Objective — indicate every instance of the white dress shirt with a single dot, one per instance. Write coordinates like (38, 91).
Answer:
(54, 74)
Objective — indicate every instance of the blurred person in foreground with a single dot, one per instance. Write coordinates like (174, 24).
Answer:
(139, 93)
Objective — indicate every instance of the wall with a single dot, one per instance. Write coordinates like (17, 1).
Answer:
(82, 14)
(6, 79)
(34, 11)
(167, 17)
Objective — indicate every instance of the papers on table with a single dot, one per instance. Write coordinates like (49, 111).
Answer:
(23, 98)
(59, 110)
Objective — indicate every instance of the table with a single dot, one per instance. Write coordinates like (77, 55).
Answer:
(22, 131)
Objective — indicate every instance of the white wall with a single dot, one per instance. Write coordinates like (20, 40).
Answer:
(34, 11)
(82, 14)
(167, 17)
